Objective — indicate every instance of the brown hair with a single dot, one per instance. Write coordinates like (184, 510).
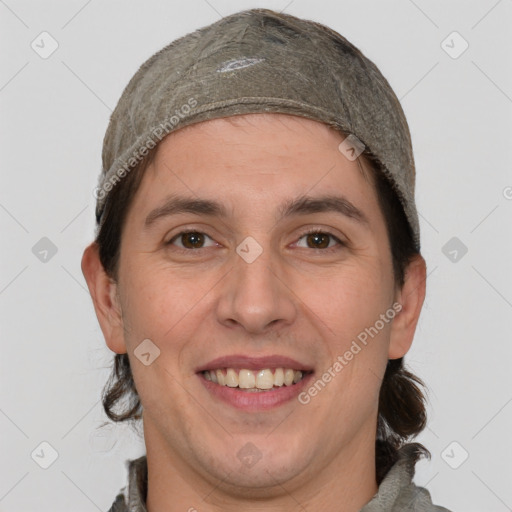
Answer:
(401, 411)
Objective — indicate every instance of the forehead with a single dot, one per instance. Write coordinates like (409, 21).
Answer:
(262, 144)
(263, 159)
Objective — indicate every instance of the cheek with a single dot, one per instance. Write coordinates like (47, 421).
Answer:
(152, 297)
(350, 299)
(165, 308)
(161, 308)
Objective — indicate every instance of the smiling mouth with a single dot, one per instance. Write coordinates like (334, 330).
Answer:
(255, 381)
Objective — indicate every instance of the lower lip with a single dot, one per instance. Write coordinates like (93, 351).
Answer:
(256, 400)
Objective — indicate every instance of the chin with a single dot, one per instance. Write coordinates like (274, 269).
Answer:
(260, 481)
(256, 472)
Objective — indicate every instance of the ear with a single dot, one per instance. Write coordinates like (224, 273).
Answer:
(103, 291)
(411, 297)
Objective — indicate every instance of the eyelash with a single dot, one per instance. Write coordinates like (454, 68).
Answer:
(305, 233)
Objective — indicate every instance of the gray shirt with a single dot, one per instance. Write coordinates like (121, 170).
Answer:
(397, 492)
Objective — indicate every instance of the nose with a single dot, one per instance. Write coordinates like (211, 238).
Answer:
(256, 296)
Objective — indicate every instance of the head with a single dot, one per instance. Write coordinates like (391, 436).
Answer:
(197, 299)
(283, 250)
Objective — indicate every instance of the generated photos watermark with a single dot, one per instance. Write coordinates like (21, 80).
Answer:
(343, 360)
(156, 135)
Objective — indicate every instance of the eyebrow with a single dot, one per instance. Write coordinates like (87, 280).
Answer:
(303, 205)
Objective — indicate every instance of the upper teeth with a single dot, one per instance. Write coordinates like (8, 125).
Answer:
(247, 379)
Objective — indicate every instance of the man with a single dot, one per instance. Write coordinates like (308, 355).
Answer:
(257, 272)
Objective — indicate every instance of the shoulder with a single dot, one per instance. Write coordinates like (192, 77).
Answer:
(119, 504)
(397, 492)
(132, 497)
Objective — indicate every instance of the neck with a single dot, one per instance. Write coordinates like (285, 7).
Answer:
(345, 484)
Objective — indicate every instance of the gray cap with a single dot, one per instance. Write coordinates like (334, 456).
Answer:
(255, 61)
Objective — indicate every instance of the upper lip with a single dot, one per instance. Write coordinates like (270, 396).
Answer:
(254, 363)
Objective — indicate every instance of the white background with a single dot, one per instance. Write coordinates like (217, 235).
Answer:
(54, 113)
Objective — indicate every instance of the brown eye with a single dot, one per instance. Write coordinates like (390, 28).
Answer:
(190, 240)
(318, 240)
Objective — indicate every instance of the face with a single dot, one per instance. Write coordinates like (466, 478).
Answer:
(256, 250)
